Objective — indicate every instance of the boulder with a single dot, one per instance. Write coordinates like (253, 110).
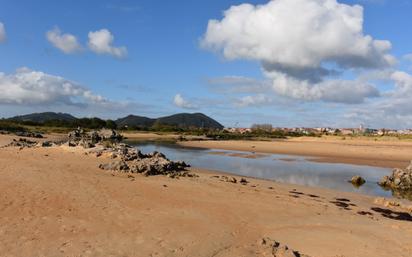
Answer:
(109, 134)
(357, 181)
(46, 144)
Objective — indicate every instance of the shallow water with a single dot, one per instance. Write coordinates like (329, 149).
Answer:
(282, 168)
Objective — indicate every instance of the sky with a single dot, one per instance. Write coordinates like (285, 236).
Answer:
(290, 63)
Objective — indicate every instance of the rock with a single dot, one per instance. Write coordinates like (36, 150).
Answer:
(243, 181)
(46, 144)
(115, 166)
(357, 181)
(229, 179)
(110, 134)
(278, 250)
(22, 143)
(78, 137)
(399, 180)
(29, 134)
(147, 164)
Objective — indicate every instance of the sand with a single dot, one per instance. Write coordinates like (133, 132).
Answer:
(56, 202)
(388, 154)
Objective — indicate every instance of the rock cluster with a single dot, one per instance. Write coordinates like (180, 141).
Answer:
(399, 180)
(278, 250)
(79, 137)
(29, 134)
(22, 143)
(233, 180)
(131, 160)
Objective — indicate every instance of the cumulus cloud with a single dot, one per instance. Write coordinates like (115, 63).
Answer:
(303, 45)
(180, 102)
(65, 42)
(28, 87)
(297, 33)
(2, 32)
(101, 42)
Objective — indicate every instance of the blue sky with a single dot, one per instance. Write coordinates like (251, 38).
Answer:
(167, 67)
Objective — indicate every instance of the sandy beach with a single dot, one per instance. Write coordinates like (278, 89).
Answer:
(388, 154)
(57, 202)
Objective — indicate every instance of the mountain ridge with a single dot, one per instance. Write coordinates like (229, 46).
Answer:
(180, 120)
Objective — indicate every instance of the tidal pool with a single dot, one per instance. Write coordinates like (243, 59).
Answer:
(283, 168)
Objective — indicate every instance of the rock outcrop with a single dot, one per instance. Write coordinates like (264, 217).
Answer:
(133, 161)
(399, 180)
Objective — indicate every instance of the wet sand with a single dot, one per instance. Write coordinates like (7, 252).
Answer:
(388, 154)
(56, 202)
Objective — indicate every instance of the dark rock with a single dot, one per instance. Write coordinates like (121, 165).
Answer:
(22, 143)
(243, 181)
(29, 134)
(278, 250)
(46, 144)
(357, 181)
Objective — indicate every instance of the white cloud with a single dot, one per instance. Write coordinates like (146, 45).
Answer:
(180, 102)
(253, 100)
(65, 42)
(101, 42)
(28, 87)
(394, 110)
(2, 32)
(297, 33)
(338, 91)
(302, 45)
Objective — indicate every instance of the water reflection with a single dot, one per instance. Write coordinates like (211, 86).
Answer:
(282, 168)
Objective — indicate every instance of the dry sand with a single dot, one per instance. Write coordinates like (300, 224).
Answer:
(56, 202)
(387, 154)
